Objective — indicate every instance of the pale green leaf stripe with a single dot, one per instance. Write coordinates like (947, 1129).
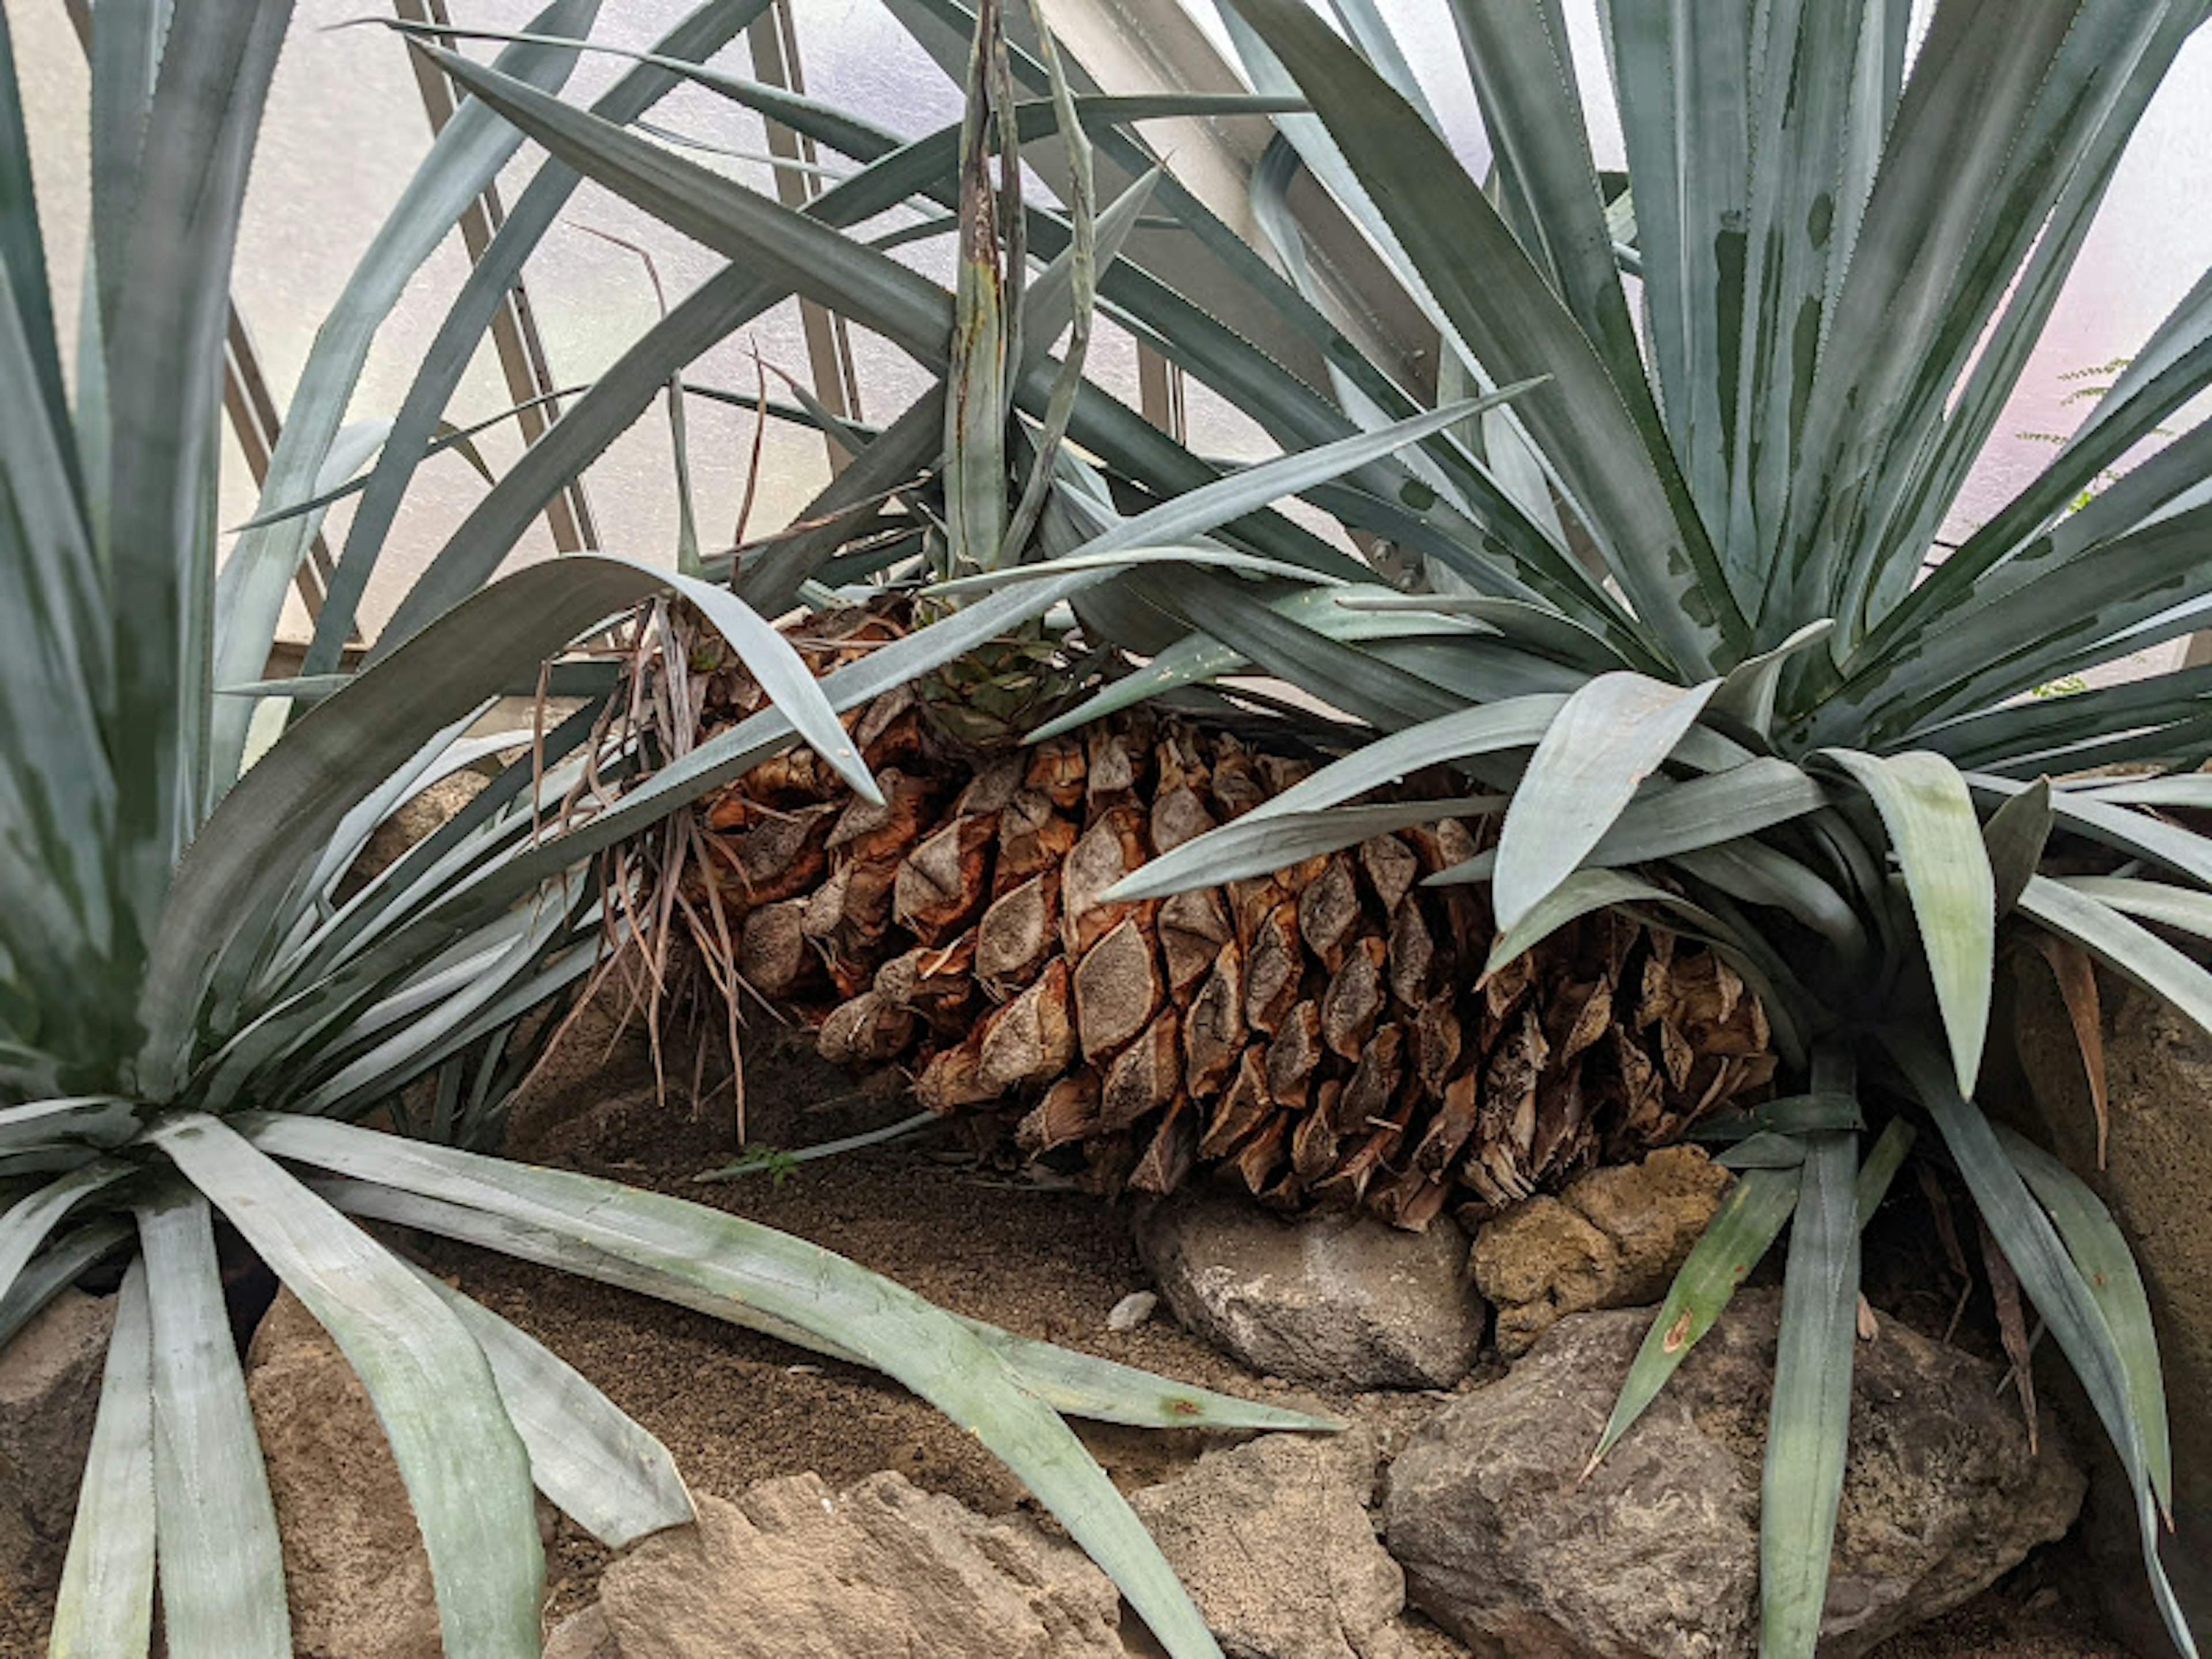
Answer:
(1680, 817)
(2052, 1281)
(778, 250)
(467, 1475)
(1882, 1165)
(1790, 1114)
(1930, 816)
(57, 1268)
(784, 676)
(24, 1225)
(2015, 836)
(1766, 1150)
(975, 377)
(2138, 833)
(889, 1326)
(1218, 558)
(1196, 659)
(1517, 326)
(2184, 908)
(1079, 1384)
(23, 252)
(1808, 1423)
(1734, 1242)
(95, 1119)
(2183, 789)
(1532, 626)
(222, 1571)
(2108, 1268)
(1580, 893)
(466, 155)
(1749, 871)
(596, 1464)
(1748, 693)
(2077, 912)
(163, 377)
(1241, 847)
(105, 1608)
(1611, 736)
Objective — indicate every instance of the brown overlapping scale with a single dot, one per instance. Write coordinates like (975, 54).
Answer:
(1324, 1035)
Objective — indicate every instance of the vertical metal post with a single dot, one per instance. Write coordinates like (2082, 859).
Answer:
(513, 330)
(1159, 394)
(772, 38)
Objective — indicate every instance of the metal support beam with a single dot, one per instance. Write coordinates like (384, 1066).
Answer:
(514, 330)
(773, 39)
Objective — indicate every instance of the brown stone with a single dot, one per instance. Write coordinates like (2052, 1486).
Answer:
(49, 1393)
(793, 1571)
(1272, 1540)
(1613, 1238)
(1332, 1299)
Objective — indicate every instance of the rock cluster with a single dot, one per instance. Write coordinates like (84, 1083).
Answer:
(1486, 1522)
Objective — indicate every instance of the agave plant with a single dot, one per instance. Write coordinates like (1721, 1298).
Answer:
(197, 1017)
(1685, 603)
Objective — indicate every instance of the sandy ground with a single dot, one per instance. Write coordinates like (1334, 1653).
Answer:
(983, 1240)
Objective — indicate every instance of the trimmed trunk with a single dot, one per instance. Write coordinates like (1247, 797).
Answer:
(1323, 1035)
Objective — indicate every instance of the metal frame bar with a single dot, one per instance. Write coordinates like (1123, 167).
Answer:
(773, 41)
(514, 333)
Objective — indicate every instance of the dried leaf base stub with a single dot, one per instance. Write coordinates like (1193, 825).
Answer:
(1323, 1035)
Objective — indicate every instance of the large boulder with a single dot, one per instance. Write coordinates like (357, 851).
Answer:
(1332, 1299)
(793, 1571)
(1613, 1238)
(1274, 1541)
(49, 1393)
(2156, 1179)
(1655, 1554)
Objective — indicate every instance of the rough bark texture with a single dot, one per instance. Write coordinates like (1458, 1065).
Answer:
(1322, 1035)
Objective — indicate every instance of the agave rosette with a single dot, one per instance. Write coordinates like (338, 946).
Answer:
(1681, 594)
(198, 1010)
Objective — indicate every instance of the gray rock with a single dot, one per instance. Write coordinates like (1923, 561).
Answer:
(48, 1393)
(1132, 1310)
(796, 1572)
(1274, 1541)
(1613, 1238)
(1656, 1553)
(2158, 1070)
(1330, 1298)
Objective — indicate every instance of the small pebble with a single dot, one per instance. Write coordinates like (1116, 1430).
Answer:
(1132, 1310)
